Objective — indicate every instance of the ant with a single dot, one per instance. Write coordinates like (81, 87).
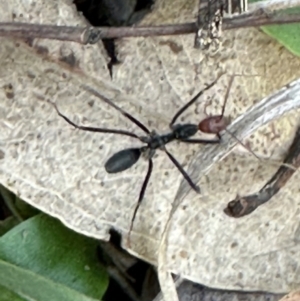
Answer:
(126, 158)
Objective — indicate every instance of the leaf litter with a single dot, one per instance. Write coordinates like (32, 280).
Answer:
(59, 170)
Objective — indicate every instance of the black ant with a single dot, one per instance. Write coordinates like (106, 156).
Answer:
(126, 158)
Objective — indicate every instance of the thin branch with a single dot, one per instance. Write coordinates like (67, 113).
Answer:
(52, 32)
(91, 35)
(245, 205)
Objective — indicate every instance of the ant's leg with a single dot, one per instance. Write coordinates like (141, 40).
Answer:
(93, 129)
(187, 105)
(127, 115)
(182, 171)
(199, 141)
(142, 193)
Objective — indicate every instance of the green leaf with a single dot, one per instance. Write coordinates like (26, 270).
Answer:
(8, 295)
(44, 260)
(31, 286)
(287, 35)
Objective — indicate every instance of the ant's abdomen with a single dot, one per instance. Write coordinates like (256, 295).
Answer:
(122, 160)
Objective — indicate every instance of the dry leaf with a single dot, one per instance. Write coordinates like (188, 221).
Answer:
(60, 170)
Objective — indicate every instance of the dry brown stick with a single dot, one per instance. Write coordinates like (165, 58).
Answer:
(53, 32)
(245, 205)
(91, 35)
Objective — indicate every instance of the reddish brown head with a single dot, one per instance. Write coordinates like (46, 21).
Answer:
(214, 124)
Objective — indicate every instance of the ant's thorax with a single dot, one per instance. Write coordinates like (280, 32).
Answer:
(178, 132)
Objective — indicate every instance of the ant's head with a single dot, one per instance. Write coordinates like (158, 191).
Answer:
(214, 124)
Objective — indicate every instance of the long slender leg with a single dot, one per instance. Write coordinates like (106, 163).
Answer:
(200, 141)
(93, 129)
(187, 105)
(127, 115)
(185, 175)
(142, 193)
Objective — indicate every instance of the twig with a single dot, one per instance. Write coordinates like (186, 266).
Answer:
(52, 32)
(242, 206)
(91, 35)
